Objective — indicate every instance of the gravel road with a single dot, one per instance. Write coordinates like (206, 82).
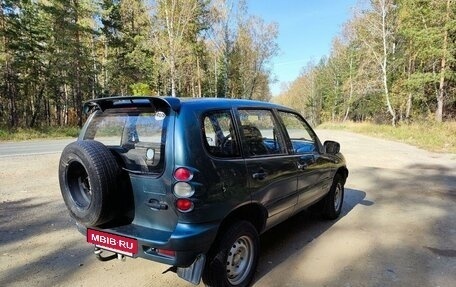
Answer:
(398, 228)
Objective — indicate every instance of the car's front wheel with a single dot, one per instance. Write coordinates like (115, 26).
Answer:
(234, 258)
(332, 202)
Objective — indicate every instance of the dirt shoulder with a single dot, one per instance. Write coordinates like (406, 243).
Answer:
(397, 228)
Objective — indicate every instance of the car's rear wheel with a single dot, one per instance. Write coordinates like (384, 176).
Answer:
(88, 175)
(333, 201)
(233, 260)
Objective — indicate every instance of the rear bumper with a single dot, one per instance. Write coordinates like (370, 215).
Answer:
(187, 240)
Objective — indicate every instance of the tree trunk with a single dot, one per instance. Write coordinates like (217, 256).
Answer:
(351, 90)
(65, 105)
(12, 95)
(105, 67)
(173, 77)
(334, 108)
(225, 76)
(36, 108)
(215, 78)
(94, 72)
(409, 106)
(48, 112)
(199, 76)
(78, 103)
(441, 93)
(384, 66)
(410, 95)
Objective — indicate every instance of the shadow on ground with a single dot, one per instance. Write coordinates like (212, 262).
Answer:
(285, 239)
(38, 243)
(404, 235)
(405, 216)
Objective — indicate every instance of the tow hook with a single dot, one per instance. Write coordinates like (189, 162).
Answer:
(172, 269)
(191, 273)
(97, 251)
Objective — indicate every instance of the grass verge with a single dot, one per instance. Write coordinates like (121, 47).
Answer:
(439, 137)
(40, 133)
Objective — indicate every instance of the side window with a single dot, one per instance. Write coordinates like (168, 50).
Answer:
(219, 135)
(260, 133)
(301, 136)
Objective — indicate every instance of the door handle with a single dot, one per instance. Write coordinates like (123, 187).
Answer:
(259, 175)
(156, 205)
(302, 166)
(304, 161)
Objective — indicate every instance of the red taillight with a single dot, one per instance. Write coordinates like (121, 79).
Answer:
(183, 174)
(184, 205)
(169, 253)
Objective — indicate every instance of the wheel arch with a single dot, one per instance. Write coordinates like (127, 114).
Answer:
(252, 212)
(343, 171)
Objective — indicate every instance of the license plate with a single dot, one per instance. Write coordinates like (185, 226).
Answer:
(115, 243)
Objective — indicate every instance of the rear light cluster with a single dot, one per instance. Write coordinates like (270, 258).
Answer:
(183, 174)
(183, 190)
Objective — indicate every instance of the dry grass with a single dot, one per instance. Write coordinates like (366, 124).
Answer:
(439, 137)
(428, 135)
(28, 134)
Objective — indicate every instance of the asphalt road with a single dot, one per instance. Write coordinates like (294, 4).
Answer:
(397, 227)
(37, 147)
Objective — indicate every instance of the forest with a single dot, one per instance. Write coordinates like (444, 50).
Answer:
(56, 54)
(392, 62)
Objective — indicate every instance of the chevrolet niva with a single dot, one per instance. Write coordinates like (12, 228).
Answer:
(191, 183)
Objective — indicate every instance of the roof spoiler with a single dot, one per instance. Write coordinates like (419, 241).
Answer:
(132, 101)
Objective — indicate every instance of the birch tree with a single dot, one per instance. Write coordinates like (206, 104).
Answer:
(174, 18)
(225, 17)
(255, 45)
(448, 46)
(377, 34)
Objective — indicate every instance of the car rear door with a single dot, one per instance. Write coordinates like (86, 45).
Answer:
(272, 172)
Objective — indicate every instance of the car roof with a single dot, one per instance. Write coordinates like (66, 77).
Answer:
(227, 103)
(176, 103)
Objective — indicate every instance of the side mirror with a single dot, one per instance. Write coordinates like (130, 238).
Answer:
(332, 147)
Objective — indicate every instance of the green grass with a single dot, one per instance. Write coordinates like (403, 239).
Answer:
(439, 137)
(40, 133)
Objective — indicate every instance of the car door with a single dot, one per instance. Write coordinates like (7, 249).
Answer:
(272, 172)
(225, 174)
(314, 168)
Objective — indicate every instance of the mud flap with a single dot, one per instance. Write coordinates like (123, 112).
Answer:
(193, 272)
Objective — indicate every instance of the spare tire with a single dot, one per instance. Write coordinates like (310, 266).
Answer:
(88, 174)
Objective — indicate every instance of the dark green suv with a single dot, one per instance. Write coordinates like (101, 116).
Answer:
(193, 182)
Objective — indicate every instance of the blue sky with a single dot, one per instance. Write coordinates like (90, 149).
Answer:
(306, 30)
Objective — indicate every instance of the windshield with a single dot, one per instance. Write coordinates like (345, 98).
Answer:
(137, 136)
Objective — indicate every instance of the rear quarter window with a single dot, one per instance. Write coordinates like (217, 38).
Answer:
(219, 134)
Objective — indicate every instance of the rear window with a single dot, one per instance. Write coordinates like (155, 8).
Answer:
(137, 136)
